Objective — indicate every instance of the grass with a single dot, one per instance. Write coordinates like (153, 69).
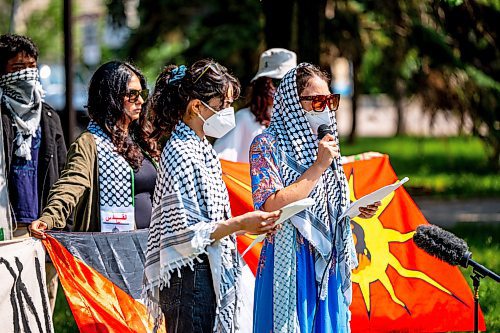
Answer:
(448, 167)
(484, 243)
(63, 318)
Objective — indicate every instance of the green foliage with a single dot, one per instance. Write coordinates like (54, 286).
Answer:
(63, 318)
(451, 167)
(45, 27)
(178, 32)
(5, 10)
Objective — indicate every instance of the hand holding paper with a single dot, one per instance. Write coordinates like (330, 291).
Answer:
(286, 212)
(378, 195)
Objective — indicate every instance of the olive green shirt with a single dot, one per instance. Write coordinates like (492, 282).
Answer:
(77, 190)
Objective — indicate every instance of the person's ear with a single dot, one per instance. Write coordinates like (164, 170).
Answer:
(194, 108)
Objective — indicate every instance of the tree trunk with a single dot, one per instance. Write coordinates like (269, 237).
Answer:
(278, 26)
(355, 95)
(398, 100)
(311, 15)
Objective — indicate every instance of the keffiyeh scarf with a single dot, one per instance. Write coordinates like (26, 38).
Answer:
(116, 178)
(298, 148)
(21, 93)
(190, 200)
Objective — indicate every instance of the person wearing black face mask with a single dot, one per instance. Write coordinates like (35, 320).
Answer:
(33, 139)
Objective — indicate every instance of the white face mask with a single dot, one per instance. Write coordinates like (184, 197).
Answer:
(220, 123)
(318, 118)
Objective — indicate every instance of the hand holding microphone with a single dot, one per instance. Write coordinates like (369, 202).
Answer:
(328, 151)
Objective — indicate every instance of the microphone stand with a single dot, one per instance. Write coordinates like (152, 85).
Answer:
(478, 272)
(476, 279)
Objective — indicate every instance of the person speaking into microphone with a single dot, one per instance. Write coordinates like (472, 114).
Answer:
(303, 280)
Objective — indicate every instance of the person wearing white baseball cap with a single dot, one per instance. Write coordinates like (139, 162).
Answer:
(275, 63)
(255, 117)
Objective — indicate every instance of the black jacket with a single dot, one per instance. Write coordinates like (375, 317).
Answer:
(52, 154)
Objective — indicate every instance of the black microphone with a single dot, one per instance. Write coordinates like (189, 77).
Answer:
(322, 131)
(449, 248)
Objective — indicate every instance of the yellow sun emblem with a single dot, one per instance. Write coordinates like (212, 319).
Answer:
(372, 249)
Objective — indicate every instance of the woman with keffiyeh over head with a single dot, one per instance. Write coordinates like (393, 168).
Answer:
(303, 280)
(192, 270)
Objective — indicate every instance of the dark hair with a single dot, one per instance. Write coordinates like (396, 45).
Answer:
(107, 90)
(11, 45)
(305, 73)
(203, 80)
(260, 98)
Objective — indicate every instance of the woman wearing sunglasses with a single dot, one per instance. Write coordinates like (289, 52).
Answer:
(303, 282)
(193, 268)
(110, 173)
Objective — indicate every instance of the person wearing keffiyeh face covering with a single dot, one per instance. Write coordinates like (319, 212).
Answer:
(193, 269)
(303, 280)
(33, 140)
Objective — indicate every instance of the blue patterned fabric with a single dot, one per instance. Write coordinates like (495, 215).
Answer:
(333, 312)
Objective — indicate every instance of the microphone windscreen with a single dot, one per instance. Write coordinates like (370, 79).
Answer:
(323, 130)
(440, 243)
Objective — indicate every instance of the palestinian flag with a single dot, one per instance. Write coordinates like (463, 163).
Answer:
(101, 276)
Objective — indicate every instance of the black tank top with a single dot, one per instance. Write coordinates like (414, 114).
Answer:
(144, 186)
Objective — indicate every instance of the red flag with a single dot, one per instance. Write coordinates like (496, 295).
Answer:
(397, 286)
(98, 305)
(237, 178)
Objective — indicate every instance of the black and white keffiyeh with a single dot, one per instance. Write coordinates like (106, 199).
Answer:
(116, 177)
(22, 94)
(190, 200)
(298, 149)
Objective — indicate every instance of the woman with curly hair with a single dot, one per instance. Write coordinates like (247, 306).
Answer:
(110, 173)
(193, 269)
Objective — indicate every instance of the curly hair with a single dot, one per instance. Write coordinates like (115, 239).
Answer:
(203, 80)
(305, 73)
(107, 90)
(11, 45)
(260, 98)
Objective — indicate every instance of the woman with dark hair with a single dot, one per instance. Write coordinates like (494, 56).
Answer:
(192, 271)
(256, 115)
(303, 280)
(110, 173)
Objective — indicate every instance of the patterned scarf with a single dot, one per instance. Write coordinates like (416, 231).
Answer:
(116, 178)
(298, 149)
(21, 93)
(190, 200)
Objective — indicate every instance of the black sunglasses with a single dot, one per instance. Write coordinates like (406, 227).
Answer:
(318, 102)
(133, 95)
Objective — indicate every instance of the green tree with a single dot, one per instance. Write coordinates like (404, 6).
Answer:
(443, 51)
(45, 27)
(228, 31)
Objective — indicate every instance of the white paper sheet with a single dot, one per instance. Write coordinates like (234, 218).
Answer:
(286, 212)
(371, 198)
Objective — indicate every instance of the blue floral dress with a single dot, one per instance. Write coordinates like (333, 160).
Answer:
(314, 315)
